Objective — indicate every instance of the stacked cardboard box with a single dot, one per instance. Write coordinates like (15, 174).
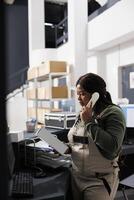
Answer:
(31, 112)
(31, 93)
(44, 91)
(56, 92)
(40, 114)
(60, 92)
(33, 73)
(52, 67)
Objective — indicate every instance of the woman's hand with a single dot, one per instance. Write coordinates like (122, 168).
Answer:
(86, 113)
(69, 150)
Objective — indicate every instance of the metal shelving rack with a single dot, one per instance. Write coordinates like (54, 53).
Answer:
(49, 78)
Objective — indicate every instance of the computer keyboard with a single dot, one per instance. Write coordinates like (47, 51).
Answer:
(22, 184)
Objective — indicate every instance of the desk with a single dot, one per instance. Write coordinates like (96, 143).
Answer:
(56, 186)
(22, 150)
(52, 187)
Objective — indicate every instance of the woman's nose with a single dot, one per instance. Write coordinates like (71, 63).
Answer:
(79, 97)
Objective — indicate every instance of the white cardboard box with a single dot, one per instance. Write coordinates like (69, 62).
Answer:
(17, 136)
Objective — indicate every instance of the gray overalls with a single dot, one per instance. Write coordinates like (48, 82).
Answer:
(94, 177)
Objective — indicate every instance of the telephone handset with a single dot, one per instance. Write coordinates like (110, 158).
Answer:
(94, 98)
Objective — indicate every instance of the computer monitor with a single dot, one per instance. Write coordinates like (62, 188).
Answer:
(128, 111)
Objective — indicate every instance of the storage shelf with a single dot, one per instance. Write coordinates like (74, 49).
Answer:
(46, 77)
(46, 88)
(51, 75)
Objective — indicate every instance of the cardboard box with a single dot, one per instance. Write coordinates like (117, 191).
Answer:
(31, 112)
(32, 73)
(56, 92)
(31, 93)
(60, 92)
(41, 93)
(40, 114)
(17, 136)
(52, 67)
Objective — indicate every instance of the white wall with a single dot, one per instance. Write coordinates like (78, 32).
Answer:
(111, 43)
(100, 46)
(17, 113)
(37, 51)
(108, 63)
(41, 55)
(92, 64)
(112, 27)
(77, 13)
(127, 53)
(120, 56)
(36, 28)
(74, 52)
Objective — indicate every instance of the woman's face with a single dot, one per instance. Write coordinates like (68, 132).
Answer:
(82, 95)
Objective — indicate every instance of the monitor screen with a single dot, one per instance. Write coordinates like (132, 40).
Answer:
(128, 111)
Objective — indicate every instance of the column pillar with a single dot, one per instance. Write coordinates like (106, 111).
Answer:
(77, 36)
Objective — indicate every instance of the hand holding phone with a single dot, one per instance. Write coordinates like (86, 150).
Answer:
(86, 114)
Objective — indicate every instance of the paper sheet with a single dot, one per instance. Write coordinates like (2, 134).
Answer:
(53, 141)
(40, 144)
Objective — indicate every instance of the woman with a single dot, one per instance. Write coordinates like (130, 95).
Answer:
(95, 141)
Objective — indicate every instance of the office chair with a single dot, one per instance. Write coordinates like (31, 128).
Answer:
(127, 182)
